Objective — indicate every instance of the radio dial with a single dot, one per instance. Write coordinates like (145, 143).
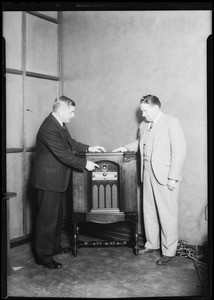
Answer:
(104, 167)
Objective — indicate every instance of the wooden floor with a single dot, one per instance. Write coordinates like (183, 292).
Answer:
(107, 272)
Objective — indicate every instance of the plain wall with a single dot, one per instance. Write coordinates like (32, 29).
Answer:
(110, 59)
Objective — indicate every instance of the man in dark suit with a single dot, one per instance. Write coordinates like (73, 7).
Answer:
(55, 156)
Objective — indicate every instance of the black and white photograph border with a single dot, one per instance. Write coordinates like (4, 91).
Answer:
(106, 56)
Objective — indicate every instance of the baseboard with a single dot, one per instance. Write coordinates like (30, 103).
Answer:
(20, 240)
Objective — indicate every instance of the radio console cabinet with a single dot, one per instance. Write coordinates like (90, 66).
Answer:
(106, 195)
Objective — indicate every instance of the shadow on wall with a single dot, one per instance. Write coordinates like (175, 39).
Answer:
(202, 223)
(138, 116)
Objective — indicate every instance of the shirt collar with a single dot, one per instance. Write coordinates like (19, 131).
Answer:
(57, 119)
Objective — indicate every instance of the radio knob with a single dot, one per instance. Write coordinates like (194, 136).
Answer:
(104, 174)
(104, 167)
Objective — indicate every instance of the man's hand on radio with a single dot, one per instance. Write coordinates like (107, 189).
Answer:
(90, 166)
(120, 149)
(97, 149)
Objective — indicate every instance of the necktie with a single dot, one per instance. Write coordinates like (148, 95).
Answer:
(151, 125)
(66, 131)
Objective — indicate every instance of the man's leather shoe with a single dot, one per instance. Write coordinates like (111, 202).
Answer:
(62, 250)
(146, 250)
(52, 265)
(164, 260)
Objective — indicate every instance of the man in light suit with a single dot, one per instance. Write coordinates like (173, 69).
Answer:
(163, 150)
(55, 157)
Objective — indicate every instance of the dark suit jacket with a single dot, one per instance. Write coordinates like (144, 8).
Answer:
(55, 156)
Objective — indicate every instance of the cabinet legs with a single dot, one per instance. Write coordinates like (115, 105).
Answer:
(132, 218)
(75, 240)
(136, 239)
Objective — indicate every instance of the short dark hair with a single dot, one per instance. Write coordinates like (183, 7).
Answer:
(61, 99)
(150, 99)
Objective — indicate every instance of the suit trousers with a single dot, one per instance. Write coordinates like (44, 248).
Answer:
(160, 211)
(48, 225)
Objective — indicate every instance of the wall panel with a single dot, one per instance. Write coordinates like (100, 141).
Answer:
(40, 95)
(14, 111)
(41, 46)
(32, 84)
(12, 26)
(14, 184)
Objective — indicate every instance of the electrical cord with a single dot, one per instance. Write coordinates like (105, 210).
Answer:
(186, 251)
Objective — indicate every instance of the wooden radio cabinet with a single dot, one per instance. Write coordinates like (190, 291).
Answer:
(106, 195)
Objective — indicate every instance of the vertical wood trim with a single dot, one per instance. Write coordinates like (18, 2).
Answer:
(24, 162)
(60, 88)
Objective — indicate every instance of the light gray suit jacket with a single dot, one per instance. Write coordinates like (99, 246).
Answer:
(168, 150)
